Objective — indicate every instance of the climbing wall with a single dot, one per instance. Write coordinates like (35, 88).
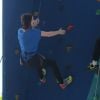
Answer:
(72, 52)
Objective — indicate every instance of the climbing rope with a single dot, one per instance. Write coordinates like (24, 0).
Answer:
(37, 12)
(39, 9)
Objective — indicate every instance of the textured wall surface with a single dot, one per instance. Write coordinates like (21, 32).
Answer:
(22, 83)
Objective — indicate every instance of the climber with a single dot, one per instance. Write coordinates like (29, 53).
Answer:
(29, 37)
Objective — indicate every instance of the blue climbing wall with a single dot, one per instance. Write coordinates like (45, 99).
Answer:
(22, 83)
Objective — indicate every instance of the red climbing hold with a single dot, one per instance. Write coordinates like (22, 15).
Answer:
(70, 27)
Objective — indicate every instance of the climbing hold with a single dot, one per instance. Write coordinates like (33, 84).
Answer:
(70, 27)
(68, 48)
(98, 12)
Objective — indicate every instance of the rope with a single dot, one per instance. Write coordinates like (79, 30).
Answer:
(39, 9)
(97, 82)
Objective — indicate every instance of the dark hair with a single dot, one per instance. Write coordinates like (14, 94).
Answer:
(26, 20)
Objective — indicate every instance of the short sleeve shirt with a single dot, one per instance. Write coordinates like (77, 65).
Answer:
(29, 41)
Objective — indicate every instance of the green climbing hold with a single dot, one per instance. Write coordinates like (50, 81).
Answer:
(98, 12)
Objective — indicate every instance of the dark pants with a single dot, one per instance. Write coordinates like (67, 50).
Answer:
(96, 53)
(41, 62)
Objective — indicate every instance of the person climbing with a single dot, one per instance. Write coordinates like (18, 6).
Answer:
(29, 38)
(94, 65)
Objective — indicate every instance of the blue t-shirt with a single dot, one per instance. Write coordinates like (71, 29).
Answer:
(29, 42)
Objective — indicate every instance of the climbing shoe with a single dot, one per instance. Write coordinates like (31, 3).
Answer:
(67, 81)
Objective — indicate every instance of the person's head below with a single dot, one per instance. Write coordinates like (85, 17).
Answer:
(28, 20)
